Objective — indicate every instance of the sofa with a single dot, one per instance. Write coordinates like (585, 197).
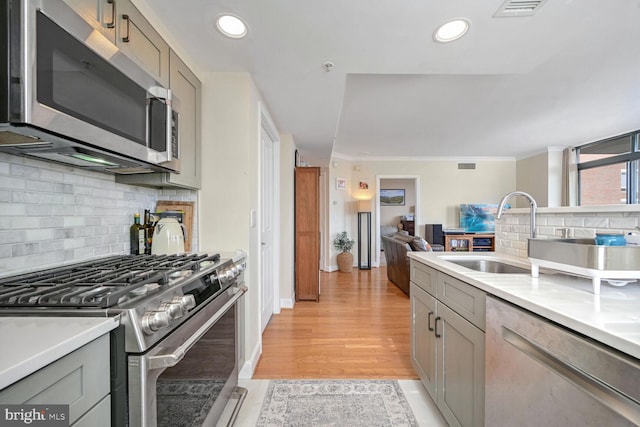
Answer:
(396, 247)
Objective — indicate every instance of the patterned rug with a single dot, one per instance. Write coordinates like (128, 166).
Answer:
(321, 403)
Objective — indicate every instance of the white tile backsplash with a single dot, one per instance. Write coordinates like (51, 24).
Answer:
(51, 213)
(512, 239)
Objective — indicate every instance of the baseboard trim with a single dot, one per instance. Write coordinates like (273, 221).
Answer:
(249, 366)
(286, 303)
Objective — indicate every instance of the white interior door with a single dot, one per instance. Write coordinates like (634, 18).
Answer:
(267, 227)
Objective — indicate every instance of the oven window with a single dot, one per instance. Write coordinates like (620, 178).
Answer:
(187, 392)
(73, 79)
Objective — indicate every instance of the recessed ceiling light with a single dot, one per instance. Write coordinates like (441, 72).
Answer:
(231, 26)
(451, 30)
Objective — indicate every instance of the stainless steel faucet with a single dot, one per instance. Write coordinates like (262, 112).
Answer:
(532, 204)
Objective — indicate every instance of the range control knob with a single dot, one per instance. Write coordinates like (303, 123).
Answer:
(227, 274)
(173, 309)
(155, 320)
(187, 302)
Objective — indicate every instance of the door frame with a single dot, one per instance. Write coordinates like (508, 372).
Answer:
(267, 123)
(416, 214)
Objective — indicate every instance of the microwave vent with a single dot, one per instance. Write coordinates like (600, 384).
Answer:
(12, 139)
(518, 8)
(466, 165)
(132, 171)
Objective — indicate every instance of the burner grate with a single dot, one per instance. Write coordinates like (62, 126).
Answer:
(101, 283)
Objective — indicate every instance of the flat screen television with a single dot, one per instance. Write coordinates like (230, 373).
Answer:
(478, 217)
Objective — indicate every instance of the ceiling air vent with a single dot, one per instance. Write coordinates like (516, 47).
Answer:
(466, 165)
(517, 8)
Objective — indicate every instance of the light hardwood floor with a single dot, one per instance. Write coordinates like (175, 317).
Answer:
(359, 330)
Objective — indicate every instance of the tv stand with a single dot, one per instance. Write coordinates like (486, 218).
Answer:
(481, 242)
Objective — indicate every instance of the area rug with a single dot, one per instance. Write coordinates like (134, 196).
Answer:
(322, 403)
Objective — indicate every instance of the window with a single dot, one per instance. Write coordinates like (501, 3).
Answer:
(608, 171)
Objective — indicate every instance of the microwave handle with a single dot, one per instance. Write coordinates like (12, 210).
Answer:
(165, 94)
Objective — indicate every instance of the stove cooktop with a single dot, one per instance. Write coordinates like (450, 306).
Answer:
(101, 283)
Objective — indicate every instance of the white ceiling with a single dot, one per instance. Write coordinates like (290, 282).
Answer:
(511, 87)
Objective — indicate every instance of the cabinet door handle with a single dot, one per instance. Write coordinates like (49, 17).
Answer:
(126, 38)
(429, 321)
(436, 328)
(112, 23)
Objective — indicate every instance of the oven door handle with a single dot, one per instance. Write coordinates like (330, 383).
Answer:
(172, 359)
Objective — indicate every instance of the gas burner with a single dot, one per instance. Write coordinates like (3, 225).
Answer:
(101, 283)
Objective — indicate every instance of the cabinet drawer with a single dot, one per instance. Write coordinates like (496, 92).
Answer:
(462, 298)
(424, 277)
(80, 380)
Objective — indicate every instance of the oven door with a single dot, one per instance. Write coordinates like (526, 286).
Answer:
(190, 376)
(76, 83)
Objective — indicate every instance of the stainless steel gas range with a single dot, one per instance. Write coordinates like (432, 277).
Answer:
(174, 356)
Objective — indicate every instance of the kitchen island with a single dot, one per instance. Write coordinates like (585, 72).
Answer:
(505, 348)
(612, 318)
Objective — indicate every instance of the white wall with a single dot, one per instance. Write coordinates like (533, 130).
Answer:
(287, 236)
(230, 188)
(342, 208)
(443, 187)
(540, 176)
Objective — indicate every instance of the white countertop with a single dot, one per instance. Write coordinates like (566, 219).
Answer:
(612, 318)
(31, 343)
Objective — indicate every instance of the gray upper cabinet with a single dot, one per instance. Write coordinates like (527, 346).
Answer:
(141, 42)
(186, 90)
(100, 14)
(124, 25)
(186, 100)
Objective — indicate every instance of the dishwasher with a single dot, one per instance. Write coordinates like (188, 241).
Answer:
(539, 373)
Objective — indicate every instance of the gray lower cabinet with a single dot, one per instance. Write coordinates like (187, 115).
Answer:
(448, 343)
(80, 380)
(423, 339)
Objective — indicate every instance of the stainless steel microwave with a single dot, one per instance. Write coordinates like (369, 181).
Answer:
(69, 95)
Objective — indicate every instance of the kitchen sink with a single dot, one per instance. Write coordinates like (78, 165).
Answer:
(488, 266)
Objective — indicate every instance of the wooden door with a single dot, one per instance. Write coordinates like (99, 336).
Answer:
(307, 233)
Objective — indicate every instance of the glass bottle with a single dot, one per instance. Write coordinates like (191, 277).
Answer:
(136, 236)
(148, 231)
